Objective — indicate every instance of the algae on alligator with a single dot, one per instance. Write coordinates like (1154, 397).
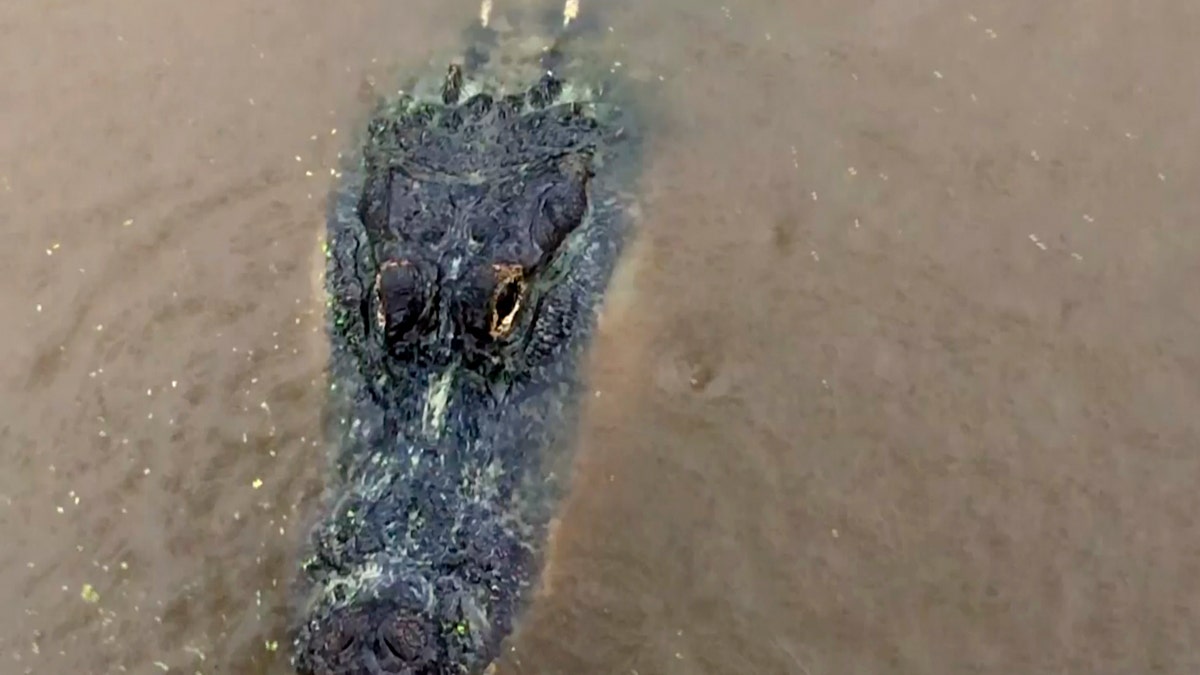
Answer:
(469, 248)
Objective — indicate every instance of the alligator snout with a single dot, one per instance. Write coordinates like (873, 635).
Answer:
(373, 639)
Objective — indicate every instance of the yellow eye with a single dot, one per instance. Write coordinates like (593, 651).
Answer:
(506, 300)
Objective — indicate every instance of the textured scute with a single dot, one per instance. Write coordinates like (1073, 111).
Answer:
(469, 249)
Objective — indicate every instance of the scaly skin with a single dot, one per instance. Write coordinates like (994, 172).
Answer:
(469, 249)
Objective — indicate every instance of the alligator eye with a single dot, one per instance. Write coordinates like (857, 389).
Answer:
(402, 298)
(506, 301)
(563, 205)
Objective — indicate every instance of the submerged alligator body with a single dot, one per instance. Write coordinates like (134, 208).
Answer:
(469, 248)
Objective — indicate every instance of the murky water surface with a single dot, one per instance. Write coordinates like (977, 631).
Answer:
(904, 378)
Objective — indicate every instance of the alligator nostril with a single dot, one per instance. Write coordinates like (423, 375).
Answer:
(397, 648)
(404, 639)
(339, 641)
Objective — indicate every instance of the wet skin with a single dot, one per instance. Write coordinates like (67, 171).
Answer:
(468, 254)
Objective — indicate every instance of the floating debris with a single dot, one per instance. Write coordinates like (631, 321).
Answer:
(89, 594)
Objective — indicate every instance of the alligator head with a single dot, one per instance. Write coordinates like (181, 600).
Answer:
(467, 257)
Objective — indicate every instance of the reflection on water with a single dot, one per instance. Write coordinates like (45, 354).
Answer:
(901, 381)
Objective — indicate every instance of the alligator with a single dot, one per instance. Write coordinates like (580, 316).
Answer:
(469, 246)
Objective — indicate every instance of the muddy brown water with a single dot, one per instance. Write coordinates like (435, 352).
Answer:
(904, 377)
